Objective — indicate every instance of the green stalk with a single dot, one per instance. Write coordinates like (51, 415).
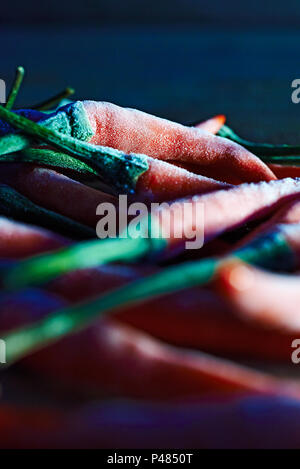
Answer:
(260, 149)
(18, 207)
(269, 250)
(48, 157)
(54, 101)
(73, 121)
(26, 340)
(15, 88)
(45, 267)
(115, 167)
(23, 341)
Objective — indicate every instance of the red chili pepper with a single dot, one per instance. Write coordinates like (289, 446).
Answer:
(79, 285)
(284, 171)
(18, 240)
(217, 216)
(212, 125)
(56, 191)
(210, 215)
(120, 170)
(165, 181)
(218, 172)
(277, 297)
(112, 358)
(195, 318)
(288, 214)
(130, 130)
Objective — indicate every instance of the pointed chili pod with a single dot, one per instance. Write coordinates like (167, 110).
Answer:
(16, 206)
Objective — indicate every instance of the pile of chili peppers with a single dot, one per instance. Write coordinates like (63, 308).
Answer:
(150, 336)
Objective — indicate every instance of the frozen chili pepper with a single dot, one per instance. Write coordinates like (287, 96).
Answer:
(129, 173)
(289, 213)
(195, 318)
(16, 206)
(284, 171)
(279, 249)
(57, 192)
(122, 360)
(19, 240)
(253, 201)
(213, 125)
(202, 320)
(210, 171)
(277, 297)
(130, 130)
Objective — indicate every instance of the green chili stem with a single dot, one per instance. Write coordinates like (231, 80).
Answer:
(115, 167)
(14, 142)
(25, 340)
(54, 101)
(72, 121)
(16, 206)
(15, 88)
(45, 267)
(260, 149)
(66, 321)
(270, 250)
(48, 158)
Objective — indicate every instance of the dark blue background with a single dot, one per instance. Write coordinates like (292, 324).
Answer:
(182, 59)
